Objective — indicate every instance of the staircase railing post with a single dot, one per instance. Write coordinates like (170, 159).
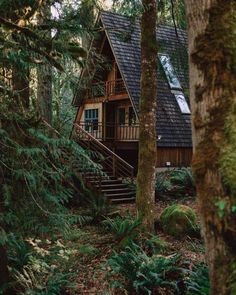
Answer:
(114, 165)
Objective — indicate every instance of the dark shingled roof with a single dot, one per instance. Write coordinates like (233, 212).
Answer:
(124, 37)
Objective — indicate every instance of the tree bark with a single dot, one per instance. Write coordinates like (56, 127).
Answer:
(20, 84)
(212, 55)
(44, 75)
(147, 116)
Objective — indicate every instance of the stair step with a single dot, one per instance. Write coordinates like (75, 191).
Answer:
(107, 181)
(117, 195)
(98, 178)
(114, 190)
(111, 186)
(122, 200)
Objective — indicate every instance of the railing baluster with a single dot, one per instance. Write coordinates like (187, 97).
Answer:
(119, 167)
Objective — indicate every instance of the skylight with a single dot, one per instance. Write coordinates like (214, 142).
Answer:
(183, 105)
(169, 71)
(174, 83)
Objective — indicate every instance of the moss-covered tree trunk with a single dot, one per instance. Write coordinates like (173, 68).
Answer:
(212, 49)
(147, 115)
(44, 74)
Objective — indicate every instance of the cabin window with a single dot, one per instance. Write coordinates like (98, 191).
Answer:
(91, 119)
(121, 116)
(169, 71)
(132, 116)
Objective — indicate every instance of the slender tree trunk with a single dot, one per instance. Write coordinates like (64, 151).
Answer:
(147, 116)
(20, 84)
(212, 49)
(44, 74)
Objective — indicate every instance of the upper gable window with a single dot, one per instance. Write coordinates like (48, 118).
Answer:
(169, 71)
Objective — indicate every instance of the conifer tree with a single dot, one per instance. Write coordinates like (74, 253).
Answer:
(212, 35)
(44, 72)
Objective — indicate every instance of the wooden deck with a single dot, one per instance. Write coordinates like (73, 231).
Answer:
(110, 131)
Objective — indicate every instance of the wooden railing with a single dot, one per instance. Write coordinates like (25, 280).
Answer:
(109, 160)
(111, 131)
(103, 89)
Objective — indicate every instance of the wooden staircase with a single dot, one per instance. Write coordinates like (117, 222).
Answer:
(114, 170)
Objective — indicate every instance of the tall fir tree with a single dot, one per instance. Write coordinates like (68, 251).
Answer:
(212, 35)
(44, 72)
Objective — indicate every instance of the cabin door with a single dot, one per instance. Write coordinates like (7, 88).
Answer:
(110, 121)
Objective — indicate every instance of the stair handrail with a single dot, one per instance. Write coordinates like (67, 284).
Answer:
(87, 134)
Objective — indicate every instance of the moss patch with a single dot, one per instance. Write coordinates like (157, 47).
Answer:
(178, 220)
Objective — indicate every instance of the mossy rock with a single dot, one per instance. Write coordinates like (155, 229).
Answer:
(178, 221)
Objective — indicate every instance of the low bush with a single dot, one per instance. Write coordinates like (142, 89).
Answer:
(48, 269)
(178, 220)
(163, 184)
(99, 207)
(125, 230)
(143, 274)
(156, 245)
(183, 182)
(198, 282)
(175, 183)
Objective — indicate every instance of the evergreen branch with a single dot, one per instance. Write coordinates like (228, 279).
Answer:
(26, 31)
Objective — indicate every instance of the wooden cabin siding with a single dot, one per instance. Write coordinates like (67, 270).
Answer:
(178, 157)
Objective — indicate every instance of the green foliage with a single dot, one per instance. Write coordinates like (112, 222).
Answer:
(19, 252)
(99, 207)
(178, 220)
(88, 250)
(45, 181)
(48, 270)
(156, 245)
(175, 183)
(198, 282)
(125, 230)
(144, 274)
(183, 182)
(163, 184)
(129, 8)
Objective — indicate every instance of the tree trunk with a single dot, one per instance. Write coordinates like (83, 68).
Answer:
(20, 84)
(147, 116)
(212, 49)
(44, 74)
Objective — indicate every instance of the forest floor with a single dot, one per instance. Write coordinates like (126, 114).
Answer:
(96, 245)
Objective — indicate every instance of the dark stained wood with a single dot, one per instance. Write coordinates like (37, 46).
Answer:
(178, 157)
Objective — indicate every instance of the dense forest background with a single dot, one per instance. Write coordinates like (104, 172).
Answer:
(56, 236)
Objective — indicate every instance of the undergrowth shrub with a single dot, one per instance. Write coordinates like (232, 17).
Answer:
(156, 245)
(98, 207)
(144, 274)
(183, 182)
(198, 281)
(40, 179)
(49, 268)
(175, 183)
(162, 184)
(124, 230)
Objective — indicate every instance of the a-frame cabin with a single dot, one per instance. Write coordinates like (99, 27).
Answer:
(108, 104)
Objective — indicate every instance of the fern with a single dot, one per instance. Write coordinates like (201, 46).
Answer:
(125, 230)
(145, 274)
(198, 281)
